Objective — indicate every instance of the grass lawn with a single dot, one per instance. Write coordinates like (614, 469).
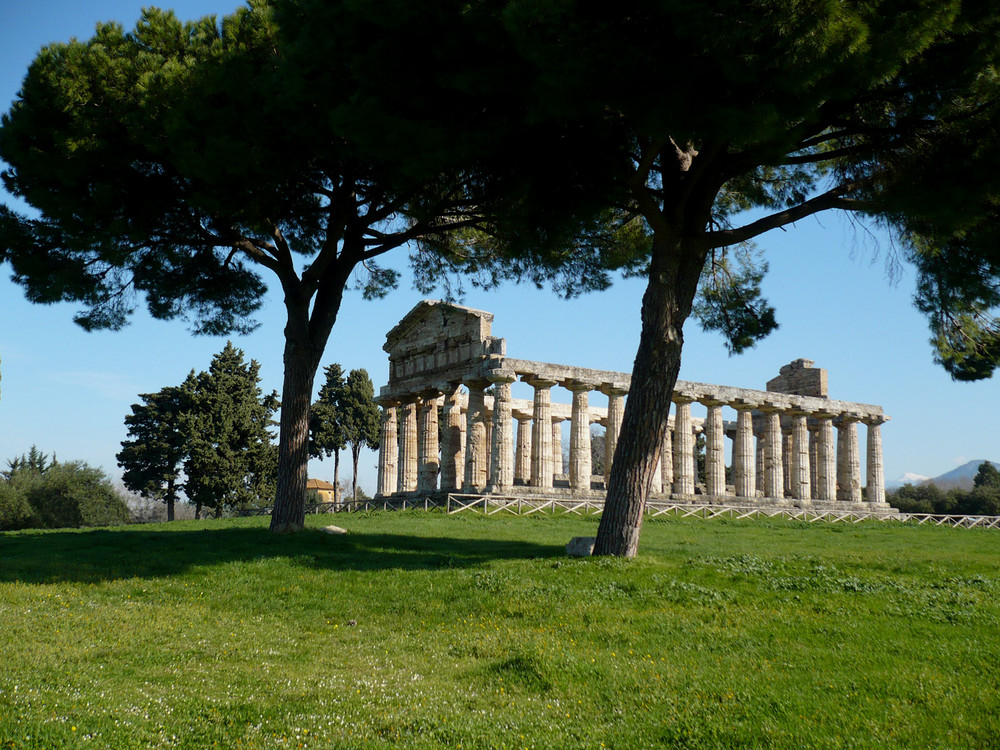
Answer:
(425, 630)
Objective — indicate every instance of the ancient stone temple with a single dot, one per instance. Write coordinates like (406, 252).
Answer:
(451, 425)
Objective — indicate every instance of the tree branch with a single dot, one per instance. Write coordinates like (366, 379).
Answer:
(831, 199)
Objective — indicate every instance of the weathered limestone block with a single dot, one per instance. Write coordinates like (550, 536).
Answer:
(667, 461)
(848, 459)
(522, 455)
(616, 412)
(683, 446)
(774, 475)
(581, 546)
(876, 478)
(579, 436)
(826, 470)
(744, 455)
(475, 437)
(388, 473)
(453, 441)
(715, 460)
(541, 432)
(558, 463)
(801, 481)
(408, 447)
(427, 447)
(501, 453)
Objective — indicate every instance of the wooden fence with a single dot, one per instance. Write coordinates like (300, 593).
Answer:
(490, 505)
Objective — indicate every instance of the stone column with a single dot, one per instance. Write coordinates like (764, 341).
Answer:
(786, 461)
(715, 457)
(388, 473)
(616, 410)
(541, 432)
(744, 463)
(814, 460)
(558, 465)
(848, 459)
(522, 456)
(826, 465)
(759, 459)
(875, 493)
(801, 481)
(683, 446)
(407, 481)
(774, 475)
(580, 469)
(656, 484)
(667, 461)
(428, 461)
(502, 450)
(452, 440)
(475, 437)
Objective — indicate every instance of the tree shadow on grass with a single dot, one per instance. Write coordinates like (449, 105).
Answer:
(113, 554)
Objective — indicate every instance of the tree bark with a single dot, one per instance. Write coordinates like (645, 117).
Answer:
(306, 337)
(336, 477)
(171, 493)
(675, 268)
(301, 363)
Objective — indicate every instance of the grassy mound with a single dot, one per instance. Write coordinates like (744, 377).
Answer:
(434, 631)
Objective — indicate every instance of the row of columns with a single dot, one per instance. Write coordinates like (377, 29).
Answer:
(479, 452)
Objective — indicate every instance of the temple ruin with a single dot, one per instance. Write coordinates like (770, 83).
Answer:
(443, 360)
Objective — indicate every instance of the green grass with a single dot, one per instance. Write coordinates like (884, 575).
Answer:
(480, 632)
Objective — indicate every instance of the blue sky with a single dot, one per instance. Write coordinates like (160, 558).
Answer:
(68, 391)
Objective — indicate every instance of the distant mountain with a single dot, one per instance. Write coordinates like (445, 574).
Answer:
(962, 476)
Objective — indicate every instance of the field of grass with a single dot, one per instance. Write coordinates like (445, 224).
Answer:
(425, 630)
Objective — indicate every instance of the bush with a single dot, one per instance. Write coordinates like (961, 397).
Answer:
(15, 510)
(59, 495)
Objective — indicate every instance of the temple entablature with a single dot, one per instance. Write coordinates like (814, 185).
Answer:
(444, 359)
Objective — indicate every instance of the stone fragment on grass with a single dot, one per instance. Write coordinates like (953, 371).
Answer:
(334, 530)
(581, 546)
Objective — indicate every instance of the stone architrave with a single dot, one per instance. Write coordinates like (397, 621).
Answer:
(408, 447)
(744, 455)
(475, 437)
(388, 473)
(428, 456)
(452, 441)
(774, 475)
(683, 446)
(522, 455)
(502, 450)
(541, 432)
(715, 459)
(667, 460)
(801, 480)
(616, 412)
(875, 491)
(580, 469)
(848, 459)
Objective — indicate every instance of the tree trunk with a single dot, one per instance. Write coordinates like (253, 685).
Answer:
(301, 363)
(171, 493)
(197, 511)
(675, 268)
(305, 339)
(336, 477)
(355, 454)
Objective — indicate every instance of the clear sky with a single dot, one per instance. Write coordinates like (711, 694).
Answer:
(68, 391)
